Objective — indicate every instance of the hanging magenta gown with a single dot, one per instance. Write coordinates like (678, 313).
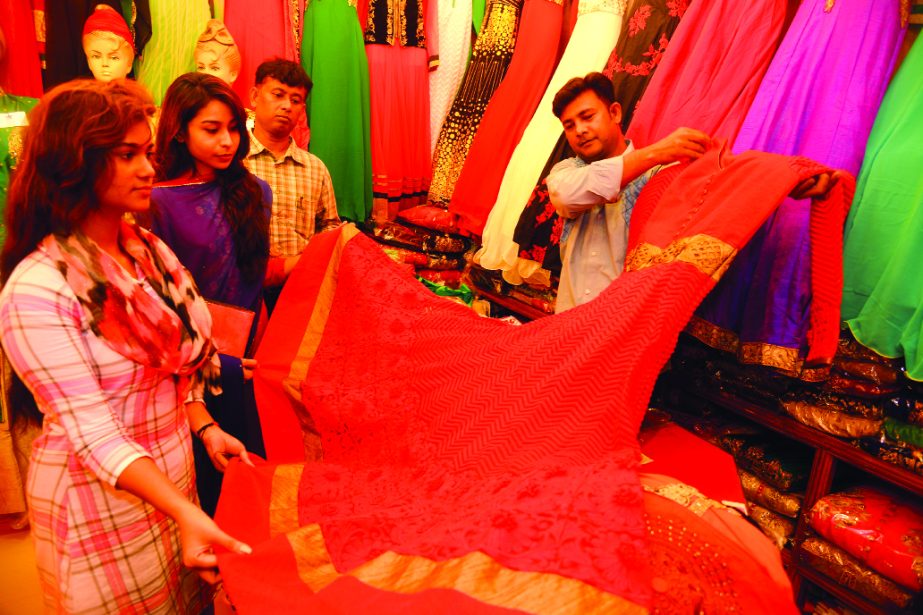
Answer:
(818, 99)
(710, 74)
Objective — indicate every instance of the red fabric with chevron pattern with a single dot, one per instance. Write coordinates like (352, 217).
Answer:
(445, 433)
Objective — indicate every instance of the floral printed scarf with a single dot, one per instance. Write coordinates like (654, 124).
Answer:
(170, 332)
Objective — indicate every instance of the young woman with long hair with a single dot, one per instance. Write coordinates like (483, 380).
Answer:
(107, 330)
(215, 215)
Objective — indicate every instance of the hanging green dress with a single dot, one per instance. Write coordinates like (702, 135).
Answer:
(12, 120)
(333, 54)
(883, 269)
(12, 443)
(176, 27)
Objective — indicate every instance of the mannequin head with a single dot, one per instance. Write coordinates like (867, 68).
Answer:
(108, 44)
(216, 53)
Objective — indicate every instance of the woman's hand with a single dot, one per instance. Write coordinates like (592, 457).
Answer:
(199, 535)
(221, 446)
(248, 365)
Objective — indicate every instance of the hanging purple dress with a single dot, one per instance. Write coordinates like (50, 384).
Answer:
(818, 99)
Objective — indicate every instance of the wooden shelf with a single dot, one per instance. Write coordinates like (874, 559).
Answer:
(514, 305)
(838, 448)
(828, 452)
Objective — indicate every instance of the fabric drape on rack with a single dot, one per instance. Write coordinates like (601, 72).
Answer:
(508, 113)
(261, 32)
(883, 280)
(818, 99)
(592, 41)
(398, 52)
(15, 440)
(435, 470)
(493, 51)
(454, 48)
(176, 27)
(333, 54)
(712, 70)
(20, 69)
(11, 145)
(646, 32)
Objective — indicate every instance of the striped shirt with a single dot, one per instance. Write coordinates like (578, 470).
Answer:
(303, 202)
(99, 549)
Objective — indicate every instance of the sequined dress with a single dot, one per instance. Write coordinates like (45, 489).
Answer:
(490, 60)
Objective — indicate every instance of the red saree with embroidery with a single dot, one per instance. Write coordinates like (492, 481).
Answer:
(455, 478)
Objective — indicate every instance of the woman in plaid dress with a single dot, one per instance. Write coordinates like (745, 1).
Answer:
(108, 332)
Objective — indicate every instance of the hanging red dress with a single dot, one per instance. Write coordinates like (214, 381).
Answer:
(708, 79)
(20, 71)
(507, 114)
(398, 50)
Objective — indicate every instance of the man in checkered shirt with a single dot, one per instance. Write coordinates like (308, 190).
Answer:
(303, 202)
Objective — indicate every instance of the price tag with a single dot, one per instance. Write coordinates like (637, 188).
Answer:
(13, 119)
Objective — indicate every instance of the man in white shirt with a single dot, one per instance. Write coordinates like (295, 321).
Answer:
(595, 191)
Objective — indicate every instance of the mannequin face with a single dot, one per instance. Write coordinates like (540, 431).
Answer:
(211, 58)
(109, 56)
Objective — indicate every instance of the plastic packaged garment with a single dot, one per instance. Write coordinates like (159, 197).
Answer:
(881, 531)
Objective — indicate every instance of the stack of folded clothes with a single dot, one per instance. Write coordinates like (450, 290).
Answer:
(901, 439)
(537, 296)
(775, 511)
(870, 541)
(708, 369)
(431, 252)
(851, 402)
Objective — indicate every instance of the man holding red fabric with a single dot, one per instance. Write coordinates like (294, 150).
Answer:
(595, 191)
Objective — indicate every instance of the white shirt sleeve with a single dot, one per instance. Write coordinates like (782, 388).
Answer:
(574, 189)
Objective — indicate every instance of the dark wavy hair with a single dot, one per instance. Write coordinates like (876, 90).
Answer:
(288, 72)
(241, 196)
(597, 82)
(65, 160)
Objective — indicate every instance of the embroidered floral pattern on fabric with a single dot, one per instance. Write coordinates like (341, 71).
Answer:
(638, 21)
(655, 54)
(677, 7)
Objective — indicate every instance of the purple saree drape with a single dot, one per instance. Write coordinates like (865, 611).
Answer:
(818, 99)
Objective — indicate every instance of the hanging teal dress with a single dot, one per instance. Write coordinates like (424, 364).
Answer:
(12, 121)
(333, 54)
(883, 269)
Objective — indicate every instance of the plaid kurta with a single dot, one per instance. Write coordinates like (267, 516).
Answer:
(303, 202)
(99, 549)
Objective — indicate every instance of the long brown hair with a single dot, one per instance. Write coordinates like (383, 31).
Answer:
(241, 196)
(65, 159)
(64, 163)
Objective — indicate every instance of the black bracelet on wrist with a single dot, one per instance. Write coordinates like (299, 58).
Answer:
(201, 430)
